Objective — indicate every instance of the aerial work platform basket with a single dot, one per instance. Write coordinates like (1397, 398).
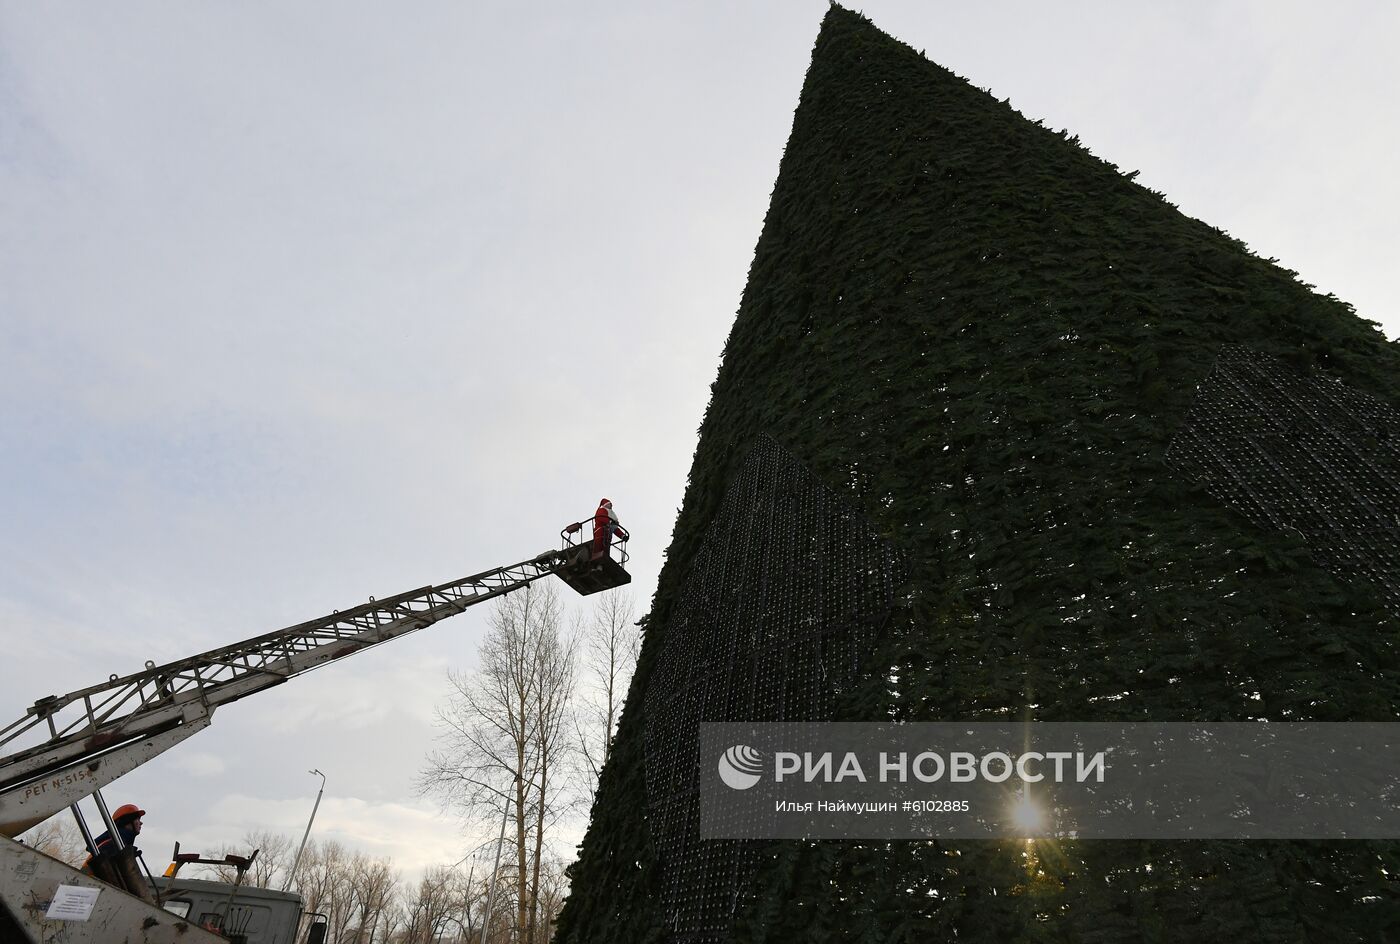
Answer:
(588, 568)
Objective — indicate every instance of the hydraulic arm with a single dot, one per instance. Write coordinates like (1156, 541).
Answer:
(67, 746)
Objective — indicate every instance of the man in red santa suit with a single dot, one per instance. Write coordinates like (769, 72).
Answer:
(605, 524)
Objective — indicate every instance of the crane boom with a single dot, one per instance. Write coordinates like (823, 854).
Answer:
(88, 738)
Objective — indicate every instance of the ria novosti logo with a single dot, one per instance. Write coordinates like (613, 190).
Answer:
(740, 766)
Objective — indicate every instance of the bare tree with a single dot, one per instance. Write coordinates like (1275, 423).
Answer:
(274, 858)
(502, 902)
(58, 837)
(269, 868)
(373, 884)
(555, 669)
(554, 886)
(449, 905)
(609, 643)
(430, 907)
(323, 881)
(503, 737)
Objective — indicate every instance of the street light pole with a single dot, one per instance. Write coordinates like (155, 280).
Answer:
(495, 870)
(297, 861)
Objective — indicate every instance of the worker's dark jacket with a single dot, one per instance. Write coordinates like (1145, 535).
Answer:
(105, 844)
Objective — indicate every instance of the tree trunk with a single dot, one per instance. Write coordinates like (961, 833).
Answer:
(539, 844)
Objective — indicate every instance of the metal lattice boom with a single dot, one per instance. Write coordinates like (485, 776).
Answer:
(68, 745)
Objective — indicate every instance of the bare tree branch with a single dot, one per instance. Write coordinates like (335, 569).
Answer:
(503, 740)
(609, 646)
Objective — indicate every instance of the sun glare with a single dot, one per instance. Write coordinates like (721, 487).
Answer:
(1026, 815)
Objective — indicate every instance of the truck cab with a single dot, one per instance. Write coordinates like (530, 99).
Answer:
(243, 914)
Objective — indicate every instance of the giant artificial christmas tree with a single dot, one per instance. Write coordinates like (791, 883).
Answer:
(999, 434)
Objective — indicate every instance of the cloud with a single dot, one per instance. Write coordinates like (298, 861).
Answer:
(201, 765)
(413, 836)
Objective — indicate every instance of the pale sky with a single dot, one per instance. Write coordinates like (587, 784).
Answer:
(306, 303)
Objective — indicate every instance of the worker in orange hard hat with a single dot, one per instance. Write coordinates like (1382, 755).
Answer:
(605, 524)
(128, 818)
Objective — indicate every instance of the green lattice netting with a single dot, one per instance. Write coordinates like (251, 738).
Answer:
(985, 340)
